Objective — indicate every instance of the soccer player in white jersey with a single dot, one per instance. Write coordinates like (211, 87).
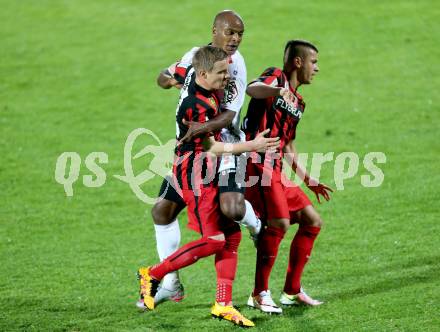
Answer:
(227, 33)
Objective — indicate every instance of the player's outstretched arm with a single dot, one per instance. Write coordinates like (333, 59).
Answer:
(258, 144)
(290, 154)
(260, 90)
(195, 129)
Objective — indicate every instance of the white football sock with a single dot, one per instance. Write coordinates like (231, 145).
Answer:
(167, 242)
(250, 220)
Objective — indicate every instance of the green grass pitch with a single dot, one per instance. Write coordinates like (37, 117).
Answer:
(80, 76)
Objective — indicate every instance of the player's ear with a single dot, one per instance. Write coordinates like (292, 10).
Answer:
(214, 30)
(297, 61)
(203, 74)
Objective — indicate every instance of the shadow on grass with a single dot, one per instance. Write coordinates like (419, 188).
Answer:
(295, 311)
(266, 322)
(406, 278)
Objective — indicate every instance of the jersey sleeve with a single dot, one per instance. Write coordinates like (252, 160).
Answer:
(271, 76)
(180, 68)
(235, 91)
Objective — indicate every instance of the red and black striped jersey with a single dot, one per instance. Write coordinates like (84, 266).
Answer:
(274, 113)
(199, 105)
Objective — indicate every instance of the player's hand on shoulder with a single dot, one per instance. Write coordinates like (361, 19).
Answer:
(319, 189)
(287, 95)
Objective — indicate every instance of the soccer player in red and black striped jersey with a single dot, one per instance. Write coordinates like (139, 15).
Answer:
(220, 236)
(227, 33)
(276, 105)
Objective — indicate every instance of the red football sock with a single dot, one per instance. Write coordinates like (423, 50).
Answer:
(186, 255)
(223, 295)
(226, 266)
(300, 250)
(267, 252)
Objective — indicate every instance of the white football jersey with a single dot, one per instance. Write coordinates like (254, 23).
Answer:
(234, 95)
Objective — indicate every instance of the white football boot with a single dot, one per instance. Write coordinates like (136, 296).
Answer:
(264, 302)
(299, 299)
(164, 294)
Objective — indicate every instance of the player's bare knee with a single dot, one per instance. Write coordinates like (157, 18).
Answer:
(160, 215)
(233, 210)
(317, 222)
(311, 217)
(236, 214)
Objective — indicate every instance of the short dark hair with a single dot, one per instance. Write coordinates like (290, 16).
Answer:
(206, 57)
(294, 48)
